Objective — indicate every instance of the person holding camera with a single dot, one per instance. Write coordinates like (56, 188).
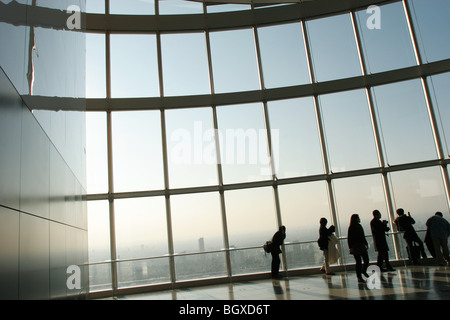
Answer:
(379, 228)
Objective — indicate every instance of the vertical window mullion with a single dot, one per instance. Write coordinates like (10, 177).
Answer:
(432, 114)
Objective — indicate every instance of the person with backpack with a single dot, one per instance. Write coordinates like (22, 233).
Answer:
(405, 223)
(277, 241)
(324, 237)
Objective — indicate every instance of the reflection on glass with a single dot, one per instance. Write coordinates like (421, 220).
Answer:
(14, 52)
(333, 48)
(55, 57)
(404, 122)
(96, 153)
(430, 19)
(389, 46)
(359, 195)
(295, 137)
(283, 55)
(191, 148)
(141, 230)
(440, 94)
(243, 143)
(137, 151)
(134, 66)
(348, 131)
(95, 66)
(196, 222)
(420, 192)
(131, 6)
(234, 63)
(250, 216)
(52, 4)
(302, 205)
(180, 7)
(185, 64)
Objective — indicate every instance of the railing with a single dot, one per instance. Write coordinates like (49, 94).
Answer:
(149, 271)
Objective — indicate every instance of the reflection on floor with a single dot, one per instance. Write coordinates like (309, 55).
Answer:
(407, 282)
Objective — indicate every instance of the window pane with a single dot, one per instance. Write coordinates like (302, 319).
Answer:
(404, 122)
(390, 46)
(295, 137)
(234, 61)
(134, 66)
(283, 55)
(143, 272)
(185, 64)
(431, 20)
(96, 153)
(251, 221)
(141, 229)
(348, 131)
(243, 143)
(420, 192)
(196, 222)
(251, 216)
(95, 66)
(302, 206)
(333, 46)
(439, 85)
(180, 7)
(137, 151)
(99, 245)
(191, 148)
(229, 7)
(132, 6)
(98, 231)
(197, 227)
(360, 195)
(200, 266)
(95, 6)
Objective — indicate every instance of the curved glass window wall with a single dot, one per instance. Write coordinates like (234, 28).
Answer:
(256, 125)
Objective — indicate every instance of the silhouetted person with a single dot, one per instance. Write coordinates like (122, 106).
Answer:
(277, 241)
(324, 234)
(379, 229)
(358, 245)
(439, 231)
(405, 223)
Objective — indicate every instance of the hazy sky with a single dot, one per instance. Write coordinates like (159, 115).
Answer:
(400, 109)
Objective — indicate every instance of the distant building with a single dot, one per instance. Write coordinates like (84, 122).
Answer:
(201, 244)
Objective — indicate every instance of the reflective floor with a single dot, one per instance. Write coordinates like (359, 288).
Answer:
(406, 283)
